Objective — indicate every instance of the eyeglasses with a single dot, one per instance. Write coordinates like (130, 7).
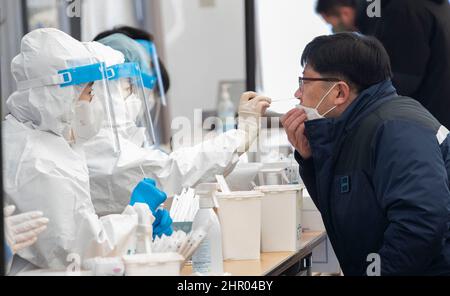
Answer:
(301, 80)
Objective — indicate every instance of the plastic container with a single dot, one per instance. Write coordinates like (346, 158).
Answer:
(156, 264)
(311, 217)
(208, 258)
(105, 266)
(274, 173)
(144, 229)
(240, 218)
(186, 227)
(243, 175)
(281, 225)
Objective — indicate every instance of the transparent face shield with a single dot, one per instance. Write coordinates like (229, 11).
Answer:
(85, 82)
(133, 120)
(154, 105)
(92, 105)
(156, 76)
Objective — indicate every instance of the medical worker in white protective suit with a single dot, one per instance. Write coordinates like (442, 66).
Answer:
(131, 115)
(61, 103)
(114, 176)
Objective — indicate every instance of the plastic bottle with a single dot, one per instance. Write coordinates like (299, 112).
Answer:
(208, 259)
(226, 110)
(144, 230)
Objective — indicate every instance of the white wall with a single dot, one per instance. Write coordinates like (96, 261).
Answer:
(102, 15)
(285, 27)
(203, 45)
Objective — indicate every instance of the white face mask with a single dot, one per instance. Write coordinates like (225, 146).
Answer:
(134, 134)
(133, 107)
(88, 119)
(313, 113)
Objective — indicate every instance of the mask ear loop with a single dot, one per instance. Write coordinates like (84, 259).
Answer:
(329, 111)
(323, 98)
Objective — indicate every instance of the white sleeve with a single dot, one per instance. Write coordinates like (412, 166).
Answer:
(189, 166)
(73, 227)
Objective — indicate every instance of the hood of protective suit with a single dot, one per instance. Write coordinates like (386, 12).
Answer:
(104, 53)
(44, 52)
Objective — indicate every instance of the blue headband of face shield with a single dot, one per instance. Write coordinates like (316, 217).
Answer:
(151, 49)
(67, 77)
(82, 74)
(125, 70)
(149, 81)
(128, 70)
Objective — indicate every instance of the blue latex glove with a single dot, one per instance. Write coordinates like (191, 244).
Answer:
(147, 192)
(162, 224)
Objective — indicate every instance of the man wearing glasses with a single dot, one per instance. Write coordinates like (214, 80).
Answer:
(377, 165)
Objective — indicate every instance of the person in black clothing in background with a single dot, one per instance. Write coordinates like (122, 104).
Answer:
(416, 35)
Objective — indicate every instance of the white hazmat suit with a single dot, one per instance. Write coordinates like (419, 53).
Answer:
(42, 171)
(113, 176)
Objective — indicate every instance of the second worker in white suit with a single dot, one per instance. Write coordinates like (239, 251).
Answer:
(114, 176)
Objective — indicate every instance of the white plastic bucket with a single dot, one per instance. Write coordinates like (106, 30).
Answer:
(242, 176)
(281, 224)
(240, 221)
(155, 264)
(105, 266)
(311, 217)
